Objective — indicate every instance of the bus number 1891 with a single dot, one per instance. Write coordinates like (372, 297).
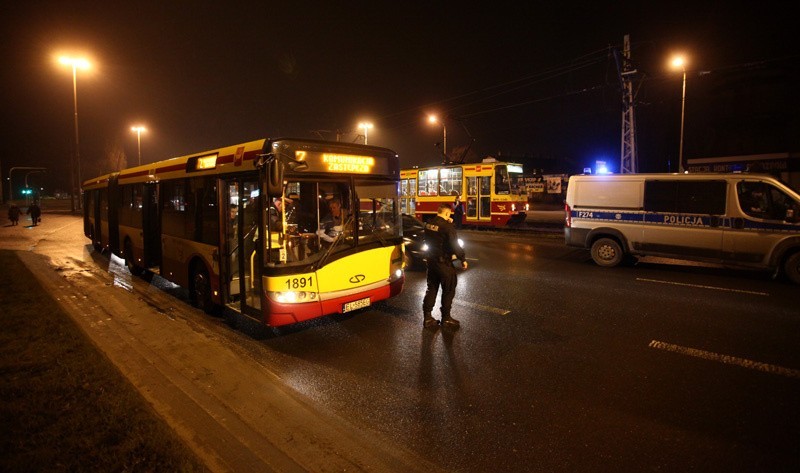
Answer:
(299, 283)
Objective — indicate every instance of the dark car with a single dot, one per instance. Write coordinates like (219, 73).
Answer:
(414, 241)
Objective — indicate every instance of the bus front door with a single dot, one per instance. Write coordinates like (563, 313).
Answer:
(241, 255)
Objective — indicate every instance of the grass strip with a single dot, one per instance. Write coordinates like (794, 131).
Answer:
(63, 405)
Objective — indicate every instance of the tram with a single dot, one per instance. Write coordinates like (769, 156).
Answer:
(491, 192)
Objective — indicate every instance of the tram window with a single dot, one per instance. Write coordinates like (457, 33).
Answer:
(501, 180)
(485, 185)
(450, 181)
(429, 182)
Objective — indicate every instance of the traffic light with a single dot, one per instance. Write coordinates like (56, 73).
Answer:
(27, 191)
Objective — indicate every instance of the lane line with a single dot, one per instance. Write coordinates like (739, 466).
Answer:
(729, 360)
(701, 286)
(486, 308)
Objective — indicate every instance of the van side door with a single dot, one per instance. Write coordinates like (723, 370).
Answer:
(683, 218)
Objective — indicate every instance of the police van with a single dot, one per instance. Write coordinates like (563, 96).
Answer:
(747, 220)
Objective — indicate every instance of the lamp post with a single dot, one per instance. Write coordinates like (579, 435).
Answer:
(433, 119)
(679, 62)
(366, 126)
(139, 130)
(75, 63)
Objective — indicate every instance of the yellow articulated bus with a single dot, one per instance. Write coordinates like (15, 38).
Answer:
(282, 230)
(489, 191)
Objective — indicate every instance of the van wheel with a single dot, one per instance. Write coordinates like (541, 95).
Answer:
(606, 252)
(791, 266)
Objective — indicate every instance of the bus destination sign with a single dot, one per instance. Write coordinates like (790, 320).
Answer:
(338, 162)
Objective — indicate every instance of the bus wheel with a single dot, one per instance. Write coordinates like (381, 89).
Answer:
(135, 269)
(791, 267)
(95, 244)
(200, 290)
(606, 252)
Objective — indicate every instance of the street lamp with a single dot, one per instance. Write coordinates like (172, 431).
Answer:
(366, 126)
(679, 62)
(139, 130)
(433, 119)
(75, 63)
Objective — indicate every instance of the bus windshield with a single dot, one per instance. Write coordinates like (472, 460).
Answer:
(319, 219)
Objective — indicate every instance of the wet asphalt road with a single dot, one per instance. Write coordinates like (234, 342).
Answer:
(564, 366)
(559, 365)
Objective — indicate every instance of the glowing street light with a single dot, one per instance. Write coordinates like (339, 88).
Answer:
(138, 130)
(433, 120)
(366, 126)
(75, 63)
(679, 62)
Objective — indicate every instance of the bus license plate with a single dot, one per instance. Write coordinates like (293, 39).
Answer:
(359, 304)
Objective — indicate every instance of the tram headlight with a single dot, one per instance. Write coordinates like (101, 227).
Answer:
(292, 297)
(513, 207)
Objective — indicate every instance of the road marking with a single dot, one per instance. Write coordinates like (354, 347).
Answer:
(730, 360)
(674, 283)
(486, 308)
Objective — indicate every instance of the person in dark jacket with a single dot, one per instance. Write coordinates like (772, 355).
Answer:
(35, 212)
(14, 213)
(442, 241)
(458, 213)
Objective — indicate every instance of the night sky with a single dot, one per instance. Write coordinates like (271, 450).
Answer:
(536, 84)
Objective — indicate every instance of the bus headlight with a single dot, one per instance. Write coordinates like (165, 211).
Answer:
(292, 297)
(398, 273)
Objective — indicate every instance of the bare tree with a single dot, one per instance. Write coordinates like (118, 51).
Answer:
(114, 157)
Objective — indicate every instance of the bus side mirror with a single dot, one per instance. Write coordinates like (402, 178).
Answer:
(274, 178)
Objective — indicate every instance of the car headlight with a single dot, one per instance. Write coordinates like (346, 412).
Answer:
(461, 243)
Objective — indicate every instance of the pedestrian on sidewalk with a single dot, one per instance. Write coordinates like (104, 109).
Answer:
(13, 214)
(442, 241)
(35, 212)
